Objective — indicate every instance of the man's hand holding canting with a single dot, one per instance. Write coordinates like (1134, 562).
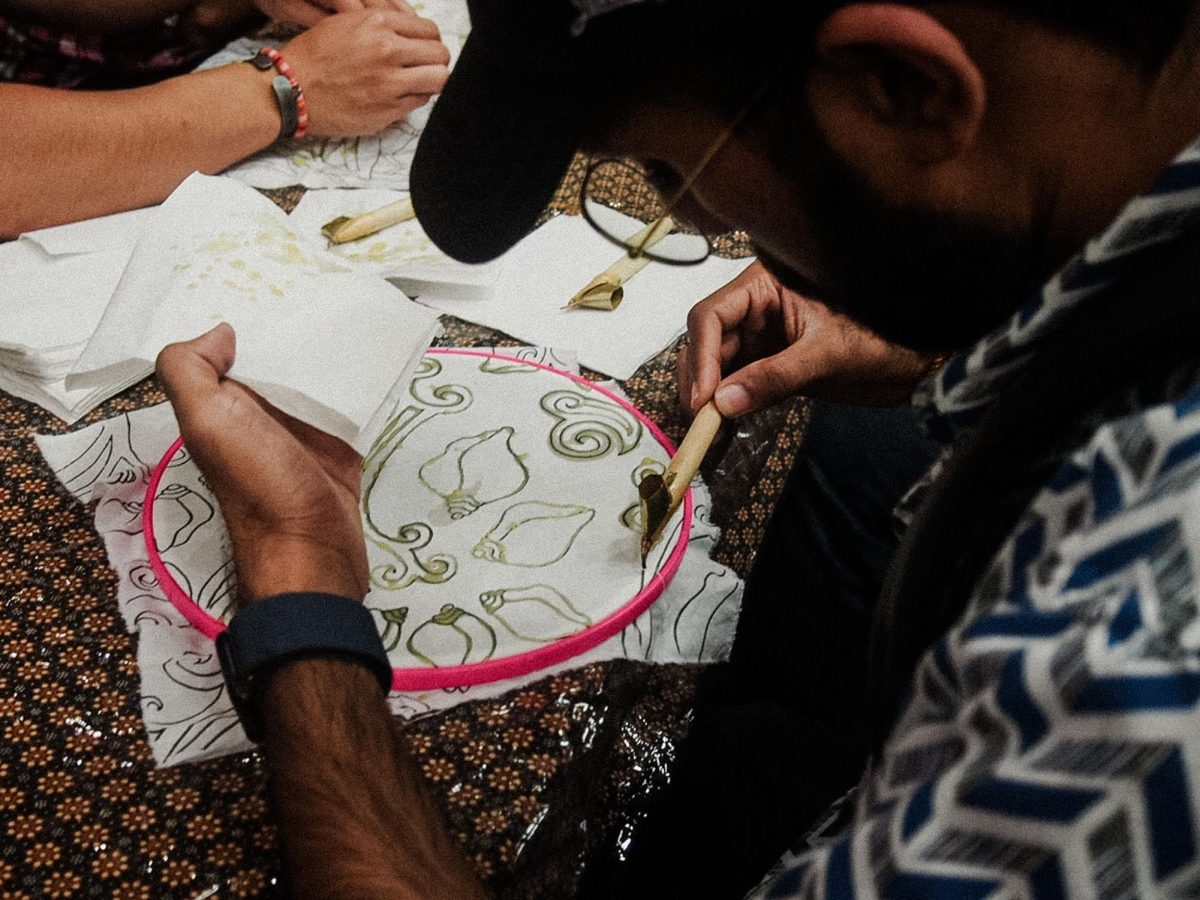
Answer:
(778, 344)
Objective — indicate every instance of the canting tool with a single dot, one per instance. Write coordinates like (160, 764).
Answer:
(344, 229)
(660, 495)
(606, 290)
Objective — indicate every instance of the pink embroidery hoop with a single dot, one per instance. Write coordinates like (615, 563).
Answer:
(435, 678)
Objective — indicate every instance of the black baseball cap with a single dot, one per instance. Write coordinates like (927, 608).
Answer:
(533, 76)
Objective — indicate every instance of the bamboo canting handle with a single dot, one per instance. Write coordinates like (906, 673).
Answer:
(696, 443)
(606, 290)
(344, 229)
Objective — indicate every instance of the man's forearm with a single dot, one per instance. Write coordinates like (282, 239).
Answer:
(356, 819)
(79, 154)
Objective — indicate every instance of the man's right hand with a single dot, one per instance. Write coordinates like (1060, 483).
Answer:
(364, 70)
(776, 343)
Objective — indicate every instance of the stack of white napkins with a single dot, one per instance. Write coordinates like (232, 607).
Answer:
(324, 344)
(54, 287)
(402, 253)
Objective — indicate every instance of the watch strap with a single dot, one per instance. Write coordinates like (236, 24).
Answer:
(287, 98)
(287, 627)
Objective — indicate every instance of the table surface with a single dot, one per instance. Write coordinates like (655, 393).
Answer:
(83, 811)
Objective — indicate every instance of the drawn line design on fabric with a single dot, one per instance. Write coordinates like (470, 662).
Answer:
(183, 513)
(475, 636)
(638, 641)
(407, 567)
(588, 428)
(142, 576)
(533, 534)
(507, 366)
(218, 594)
(110, 458)
(486, 635)
(393, 626)
(197, 673)
(476, 470)
(368, 159)
(403, 543)
(522, 612)
(716, 608)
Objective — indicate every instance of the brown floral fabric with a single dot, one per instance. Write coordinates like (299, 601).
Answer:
(84, 813)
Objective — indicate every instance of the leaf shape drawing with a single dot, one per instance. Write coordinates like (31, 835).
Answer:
(538, 613)
(533, 534)
(474, 471)
(454, 636)
(179, 512)
(589, 427)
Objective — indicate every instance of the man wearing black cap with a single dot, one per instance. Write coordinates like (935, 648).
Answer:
(1017, 177)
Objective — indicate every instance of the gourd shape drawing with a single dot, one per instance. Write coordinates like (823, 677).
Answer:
(471, 640)
(538, 613)
(393, 626)
(533, 534)
(475, 470)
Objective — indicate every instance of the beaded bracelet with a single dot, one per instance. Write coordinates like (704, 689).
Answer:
(269, 57)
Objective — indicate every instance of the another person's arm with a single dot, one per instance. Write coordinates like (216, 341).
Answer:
(354, 815)
(79, 154)
(754, 343)
(117, 16)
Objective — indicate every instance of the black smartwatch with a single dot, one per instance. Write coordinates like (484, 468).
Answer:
(277, 630)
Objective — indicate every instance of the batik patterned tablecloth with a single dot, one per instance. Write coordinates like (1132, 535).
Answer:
(83, 811)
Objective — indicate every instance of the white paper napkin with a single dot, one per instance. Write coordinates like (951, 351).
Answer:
(545, 270)
(52, 297)
(117, 231)
(402, 254)
(323, 344)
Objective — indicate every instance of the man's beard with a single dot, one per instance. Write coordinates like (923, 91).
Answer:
(934, 282)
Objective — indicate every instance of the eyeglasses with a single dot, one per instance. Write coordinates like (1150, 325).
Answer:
(664, 240)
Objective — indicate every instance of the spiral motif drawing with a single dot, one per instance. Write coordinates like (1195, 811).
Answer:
(446, 397)
(406, 566)
(589, 428)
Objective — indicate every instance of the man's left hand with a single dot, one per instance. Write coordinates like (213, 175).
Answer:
(289, 492)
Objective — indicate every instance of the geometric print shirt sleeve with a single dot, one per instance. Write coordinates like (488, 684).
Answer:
(1051, 744)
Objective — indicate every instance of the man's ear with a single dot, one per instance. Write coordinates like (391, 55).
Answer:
(893, 87)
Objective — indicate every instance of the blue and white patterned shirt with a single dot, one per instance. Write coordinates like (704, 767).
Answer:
(1051, 747)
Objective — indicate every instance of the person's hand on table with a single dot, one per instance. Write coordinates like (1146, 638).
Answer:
(364, 70)
(289, 493)
(775, 343)
(309, 12)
